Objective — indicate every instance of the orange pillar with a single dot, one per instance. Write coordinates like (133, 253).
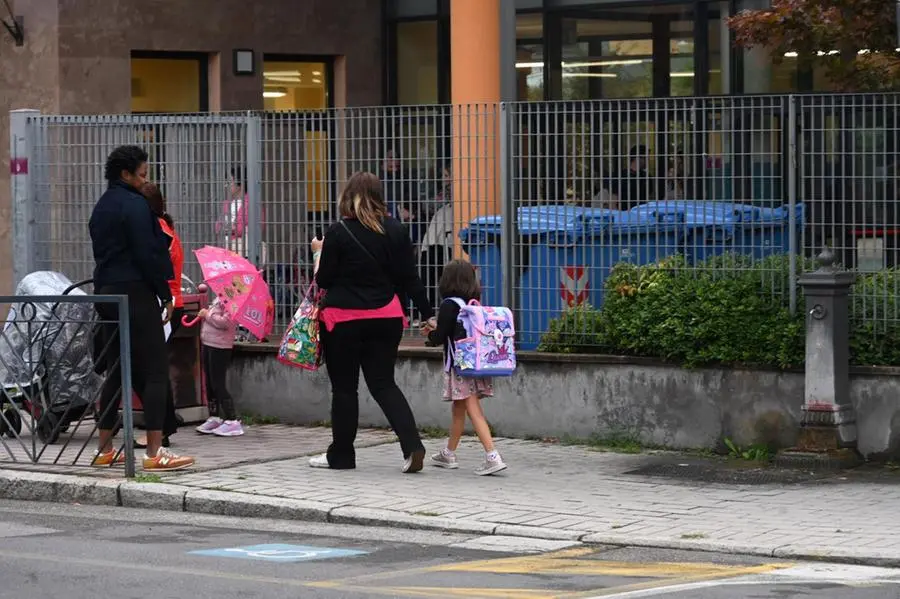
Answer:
(475, 84)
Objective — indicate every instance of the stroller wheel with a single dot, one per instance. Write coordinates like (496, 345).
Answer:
(11, 423)
(46, 428)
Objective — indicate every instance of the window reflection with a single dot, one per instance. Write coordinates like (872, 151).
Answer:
(530, 57)
(417, 62)
(294, 85)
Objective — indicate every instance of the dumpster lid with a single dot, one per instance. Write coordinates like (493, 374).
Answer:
(710, 212)
(536, 220)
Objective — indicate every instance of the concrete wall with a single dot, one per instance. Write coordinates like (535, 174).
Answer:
(586, 395)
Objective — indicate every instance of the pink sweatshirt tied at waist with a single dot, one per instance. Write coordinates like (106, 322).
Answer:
(218, 329)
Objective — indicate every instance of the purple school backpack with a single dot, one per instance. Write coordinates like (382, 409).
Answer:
(488, 348)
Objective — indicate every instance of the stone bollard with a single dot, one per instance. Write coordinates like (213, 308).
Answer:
(827, 437)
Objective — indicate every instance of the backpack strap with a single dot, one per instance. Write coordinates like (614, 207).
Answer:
(448, 363)
(456, 300)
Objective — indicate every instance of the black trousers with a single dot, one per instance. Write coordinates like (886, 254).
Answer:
(370, 345)
(215, 366)
(149, 356)
(170, 422)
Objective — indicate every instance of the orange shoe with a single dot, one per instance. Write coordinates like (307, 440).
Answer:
(108, 458)
(165, 461)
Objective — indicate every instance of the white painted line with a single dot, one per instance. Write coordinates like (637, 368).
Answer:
(846, 575)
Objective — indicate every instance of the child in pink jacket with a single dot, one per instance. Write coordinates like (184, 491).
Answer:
(217, 338)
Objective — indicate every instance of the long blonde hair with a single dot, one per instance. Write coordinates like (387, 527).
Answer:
(363, 199)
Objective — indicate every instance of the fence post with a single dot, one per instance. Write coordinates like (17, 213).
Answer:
(254, 189)
(828, 435)
(125, 370)
(21, 165)
(507, 214)
(792, 201)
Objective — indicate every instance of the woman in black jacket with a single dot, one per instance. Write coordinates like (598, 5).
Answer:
(366, 259)
(131, 258)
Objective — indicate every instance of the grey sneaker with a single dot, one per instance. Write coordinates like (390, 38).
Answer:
(490, 467)
(414, 462)
(445, 461)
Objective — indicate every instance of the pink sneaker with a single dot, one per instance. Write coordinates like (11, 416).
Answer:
(229, 428)
(211, 424)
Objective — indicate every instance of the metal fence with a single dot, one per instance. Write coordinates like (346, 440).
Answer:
(548, 196)
(49, 399)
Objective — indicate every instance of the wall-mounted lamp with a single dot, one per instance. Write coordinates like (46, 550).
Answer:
(244, 62)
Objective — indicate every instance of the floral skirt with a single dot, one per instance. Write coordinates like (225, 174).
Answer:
(458, 388)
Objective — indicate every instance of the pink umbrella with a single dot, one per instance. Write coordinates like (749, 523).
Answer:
(240, 287)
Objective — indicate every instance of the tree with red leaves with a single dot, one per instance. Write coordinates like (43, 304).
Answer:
(854, 41)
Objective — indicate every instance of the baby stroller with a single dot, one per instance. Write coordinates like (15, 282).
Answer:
(46, 369)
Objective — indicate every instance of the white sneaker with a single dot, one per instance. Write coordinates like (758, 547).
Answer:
(415, 462)
(491, 466)
(229, 428)
(445, 460)
(319, 461)
(211, 424)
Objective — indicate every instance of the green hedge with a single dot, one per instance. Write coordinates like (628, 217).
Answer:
(728, 310)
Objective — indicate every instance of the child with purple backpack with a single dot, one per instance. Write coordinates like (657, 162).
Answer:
(467, 376)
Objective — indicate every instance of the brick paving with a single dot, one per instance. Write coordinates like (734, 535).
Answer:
(586, 493)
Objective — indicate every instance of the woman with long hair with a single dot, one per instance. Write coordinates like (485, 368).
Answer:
(176, 254)
(365, 260)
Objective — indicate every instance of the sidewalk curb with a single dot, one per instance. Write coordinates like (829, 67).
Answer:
(62, 488)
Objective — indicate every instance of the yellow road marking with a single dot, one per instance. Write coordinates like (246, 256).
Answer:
(559, 563)
(481, 593)
(574, 567)
(501, 593)
(353, 580)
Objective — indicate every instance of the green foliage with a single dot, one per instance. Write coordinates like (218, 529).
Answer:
(875, 328)
(730, 310)
(754, 453)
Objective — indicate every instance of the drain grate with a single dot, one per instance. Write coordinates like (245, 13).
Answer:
(725, 474)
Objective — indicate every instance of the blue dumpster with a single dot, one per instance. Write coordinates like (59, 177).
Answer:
(714, 228)
(481, 240)
(570, 268)
(566, 254)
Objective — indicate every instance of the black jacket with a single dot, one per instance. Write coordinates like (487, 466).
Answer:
(449, 328)
(356, 280)
(129, 245)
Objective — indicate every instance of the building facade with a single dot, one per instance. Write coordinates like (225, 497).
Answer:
(168, 56)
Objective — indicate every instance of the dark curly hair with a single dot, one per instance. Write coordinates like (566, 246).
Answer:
(124, 158)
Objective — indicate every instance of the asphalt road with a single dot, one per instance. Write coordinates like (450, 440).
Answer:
(49, 550)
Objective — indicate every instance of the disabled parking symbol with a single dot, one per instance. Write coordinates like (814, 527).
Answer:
(279, 553)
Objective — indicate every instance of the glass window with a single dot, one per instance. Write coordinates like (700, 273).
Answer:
(598, 65)
(530, 72)
(295, 85)
(417, 62)
(166, 85)
(719, 48)
(611, 55)
(681, 52)
(530, 57)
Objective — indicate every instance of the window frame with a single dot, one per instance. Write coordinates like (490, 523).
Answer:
(202, 60)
